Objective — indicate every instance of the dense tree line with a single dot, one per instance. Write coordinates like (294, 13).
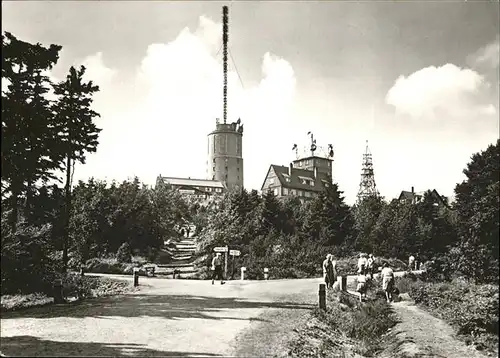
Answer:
(47, 226)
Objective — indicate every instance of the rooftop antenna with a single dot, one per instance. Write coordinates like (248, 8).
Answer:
(313, 143)
(225, 37)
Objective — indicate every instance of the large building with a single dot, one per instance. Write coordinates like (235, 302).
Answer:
(225, 160)
(304, 178)
(413, 197)
(195, 188)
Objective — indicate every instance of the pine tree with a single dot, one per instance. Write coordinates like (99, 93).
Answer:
(28, 135)
(78, 133)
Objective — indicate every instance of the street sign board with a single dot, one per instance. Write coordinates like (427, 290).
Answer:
(234, 252)
(220, 249)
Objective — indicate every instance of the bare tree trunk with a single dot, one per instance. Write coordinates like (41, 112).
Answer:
(27, 207)
(15, 207)
(67, 214)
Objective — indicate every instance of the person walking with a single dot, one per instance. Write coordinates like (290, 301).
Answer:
(362, 262)
(411, 262)
(217, 269)
(330, 272)
(370, 263)
(361, 287)
(387, 281)
(333, 271)
(325, 270)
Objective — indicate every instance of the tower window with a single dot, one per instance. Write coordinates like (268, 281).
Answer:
(238, 169)
(213, 177)
(226, 176)
(226, 168)
(213, 168)
(213, 160)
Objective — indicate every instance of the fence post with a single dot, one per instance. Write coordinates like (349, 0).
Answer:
(136, 277)
(342, 280)
(266, 273)
(58, 294)
(322, 296)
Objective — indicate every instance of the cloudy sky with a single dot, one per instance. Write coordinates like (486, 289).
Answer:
(419, 80)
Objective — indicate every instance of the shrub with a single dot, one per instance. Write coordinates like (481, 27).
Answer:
(124, 253)
(26, 261)
(362, 322)
(471, 309)
(109, 265)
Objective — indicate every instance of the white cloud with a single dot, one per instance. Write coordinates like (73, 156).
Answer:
(176, 98)
(97, 71)
(487, 56)
(434, 91)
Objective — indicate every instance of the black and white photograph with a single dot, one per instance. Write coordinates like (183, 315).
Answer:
(250, 178)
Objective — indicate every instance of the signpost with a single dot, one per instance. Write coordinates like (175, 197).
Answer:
(233, 253)
(227, 252)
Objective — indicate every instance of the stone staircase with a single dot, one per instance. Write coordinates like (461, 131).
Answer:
(182, 256)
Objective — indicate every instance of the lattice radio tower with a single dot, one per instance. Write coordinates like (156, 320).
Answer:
(367, 186)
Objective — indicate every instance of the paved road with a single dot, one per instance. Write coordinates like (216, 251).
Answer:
(166, 317)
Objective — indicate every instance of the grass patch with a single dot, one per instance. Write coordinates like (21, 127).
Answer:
(15, 302)
(471, 309)
(346, 327)
(74, 286)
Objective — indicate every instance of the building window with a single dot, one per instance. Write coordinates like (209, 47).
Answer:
(287, 179)
(311, 182)
(213, 168)
(304, 181)
(276, 191)
(292, 192)
(285, 191)
(213, 160)
(213, 177)
(308, 194)
(271, 181)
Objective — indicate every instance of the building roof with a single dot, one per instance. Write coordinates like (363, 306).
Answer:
(192, 182)
(408, 195)
(312, 157)
(296, 178)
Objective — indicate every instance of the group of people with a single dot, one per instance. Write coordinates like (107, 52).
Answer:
(366, 269)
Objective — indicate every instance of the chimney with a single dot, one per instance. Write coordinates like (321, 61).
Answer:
(315, 171)
(412, 190)
(291, 167)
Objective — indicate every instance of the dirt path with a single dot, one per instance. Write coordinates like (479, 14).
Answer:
(419, 334)
(165, 318)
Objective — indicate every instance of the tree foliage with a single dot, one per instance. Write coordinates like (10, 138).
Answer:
(477, 208)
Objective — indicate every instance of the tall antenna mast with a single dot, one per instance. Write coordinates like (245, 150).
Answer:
(225, 38)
